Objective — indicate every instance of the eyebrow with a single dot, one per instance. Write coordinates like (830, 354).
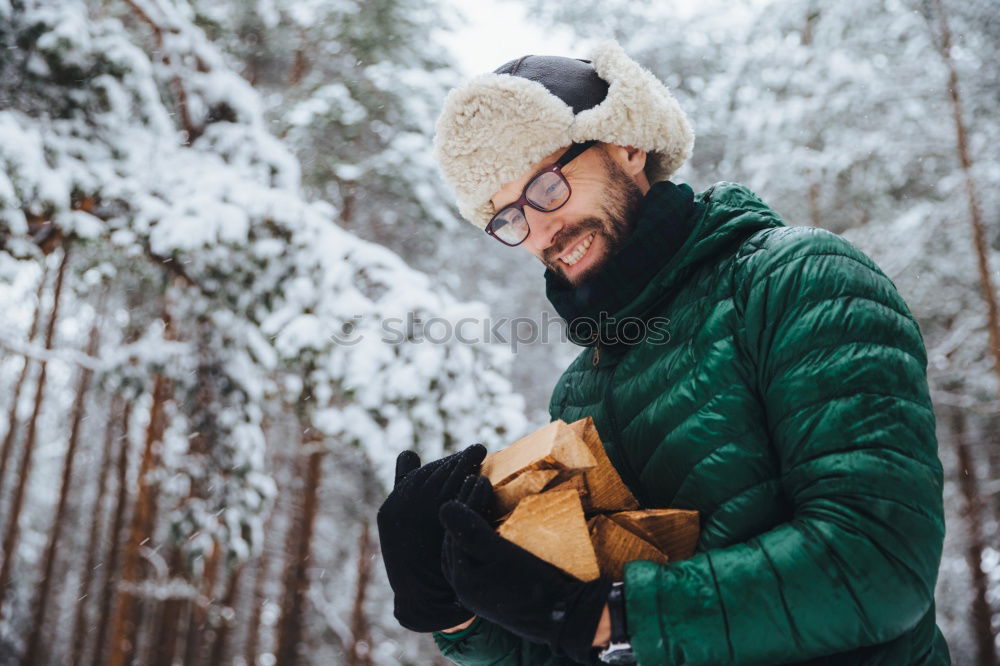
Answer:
(573, 151)
(538, 171)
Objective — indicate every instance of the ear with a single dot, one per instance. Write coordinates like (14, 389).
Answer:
(635, 160)
(631, 159)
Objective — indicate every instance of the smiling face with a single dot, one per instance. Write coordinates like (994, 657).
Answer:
(577, 239)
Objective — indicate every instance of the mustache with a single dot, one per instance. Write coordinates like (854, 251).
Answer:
(572, 235)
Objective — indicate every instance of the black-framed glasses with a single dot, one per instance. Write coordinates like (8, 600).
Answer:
(547, 191)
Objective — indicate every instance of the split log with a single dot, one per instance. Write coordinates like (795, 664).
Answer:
(605, 489)
(555, 446)
(529, 483)
(571, 480)
(615, 545)
(674, 532)
(552, 526)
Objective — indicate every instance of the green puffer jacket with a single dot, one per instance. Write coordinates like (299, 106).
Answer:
(788, 404)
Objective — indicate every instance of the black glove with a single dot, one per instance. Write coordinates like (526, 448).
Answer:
(411, 537)
(510, 587)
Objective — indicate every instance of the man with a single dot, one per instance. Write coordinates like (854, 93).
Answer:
(788, 403)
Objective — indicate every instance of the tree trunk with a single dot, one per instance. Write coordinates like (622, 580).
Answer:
(812, 16)
(296, 575)
(24, 471)
(220, 645)
(164, 646)
(8, 438)
(257, 601)
(194, 651)
(986, 286)
(204, 418)
(300, 64)
(815, 215)
(980, 614)
(161, 651)
(79, 636)
(114, 537)
(79, 406)
(123, 627)
(359, 652)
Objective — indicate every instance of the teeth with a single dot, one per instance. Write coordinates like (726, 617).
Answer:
(578, 251)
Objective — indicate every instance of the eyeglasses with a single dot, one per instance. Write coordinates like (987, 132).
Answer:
(547, 191)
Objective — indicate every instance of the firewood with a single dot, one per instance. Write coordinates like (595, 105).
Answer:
(605, 489)
(533, 482)
(554, 446)
(615, 545)
(529, 483)
(549, 483)
(551, 525)
(672, 531)
(570, 480)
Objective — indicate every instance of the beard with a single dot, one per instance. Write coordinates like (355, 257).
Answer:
(613, 225)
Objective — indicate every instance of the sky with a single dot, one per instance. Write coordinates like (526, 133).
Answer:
(499, 31)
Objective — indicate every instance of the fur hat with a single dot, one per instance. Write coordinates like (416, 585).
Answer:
(495, 126)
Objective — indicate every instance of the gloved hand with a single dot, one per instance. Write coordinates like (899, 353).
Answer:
(411, 536)
(510, 587)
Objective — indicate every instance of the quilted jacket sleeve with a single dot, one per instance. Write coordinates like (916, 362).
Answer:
(840, 372)
(486, 644)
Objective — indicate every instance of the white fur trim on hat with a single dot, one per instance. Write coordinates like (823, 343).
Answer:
(495, 126)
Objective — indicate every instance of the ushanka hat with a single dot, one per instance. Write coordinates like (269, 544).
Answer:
(495, 126)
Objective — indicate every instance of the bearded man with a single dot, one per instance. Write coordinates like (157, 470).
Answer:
(788, 403)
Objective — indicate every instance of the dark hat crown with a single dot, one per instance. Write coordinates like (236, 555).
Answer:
(573, 81)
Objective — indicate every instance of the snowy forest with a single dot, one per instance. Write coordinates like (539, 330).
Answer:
(211, 212)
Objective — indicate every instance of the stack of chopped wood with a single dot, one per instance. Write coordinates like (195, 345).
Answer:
(560, 498)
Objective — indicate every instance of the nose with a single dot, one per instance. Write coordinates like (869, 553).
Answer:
(544, 228)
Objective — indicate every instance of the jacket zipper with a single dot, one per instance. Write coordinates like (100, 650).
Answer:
(624, 469)
(609, 405)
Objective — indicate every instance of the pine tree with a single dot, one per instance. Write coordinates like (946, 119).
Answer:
(131, 137)
(13, 531)
(31, 652)
(6, 449)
